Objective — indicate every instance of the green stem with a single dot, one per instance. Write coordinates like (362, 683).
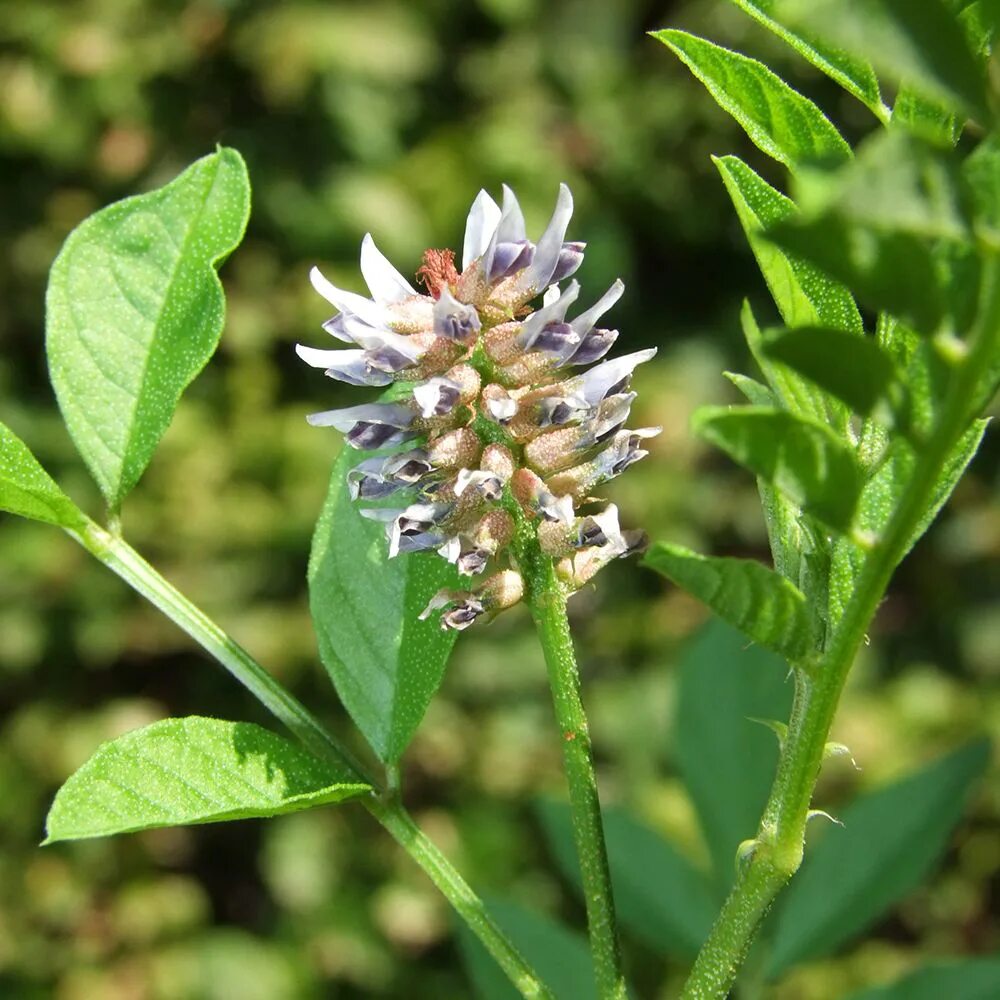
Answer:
(122, 559)
(780, 838)
(547, 600)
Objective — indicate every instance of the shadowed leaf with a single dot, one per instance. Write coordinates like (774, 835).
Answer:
(757, 600)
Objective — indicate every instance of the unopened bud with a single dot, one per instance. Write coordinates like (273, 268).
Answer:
(457, 449)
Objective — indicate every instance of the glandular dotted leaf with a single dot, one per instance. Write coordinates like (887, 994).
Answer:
(134, 311)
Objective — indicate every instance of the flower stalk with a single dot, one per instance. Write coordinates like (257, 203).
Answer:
(547, 602)
(123, 560)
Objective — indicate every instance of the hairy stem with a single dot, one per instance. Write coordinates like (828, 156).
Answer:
(122, 559)
(547, 599)
(780, 838)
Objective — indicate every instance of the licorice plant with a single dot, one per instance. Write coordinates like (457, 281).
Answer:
(491, 411)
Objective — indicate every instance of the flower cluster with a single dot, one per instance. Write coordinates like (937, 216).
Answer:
(505, 413)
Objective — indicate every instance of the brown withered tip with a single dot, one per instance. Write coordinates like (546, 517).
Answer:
(438, 271)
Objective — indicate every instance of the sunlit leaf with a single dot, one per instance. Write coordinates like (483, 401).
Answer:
(385, 663)
(757, 600)
(889, 840)
(782, 122)
(726, 760)
(803, 459)
(805, 296)
(853, 74)
(134, 311)
(192, 770)
(659, 895)
(28, 490)
(922, 43)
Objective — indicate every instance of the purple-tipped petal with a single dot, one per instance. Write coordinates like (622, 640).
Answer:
(557, 339)
(412, 530)
(510, 228)
(437, 396)
(549, 246)
(390, 414)
(486, 484)
(352, 367)
(570, 259)
(594, 346)
(601, 529)
(455, 320)
(347, 302)
(557, 411)
(609, 376)
(509, 258)
(383, 280)
(552, 311)
(584, 323)
(484, 217)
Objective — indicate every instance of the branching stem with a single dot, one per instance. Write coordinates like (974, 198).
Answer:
(122, 559)
(780, 838)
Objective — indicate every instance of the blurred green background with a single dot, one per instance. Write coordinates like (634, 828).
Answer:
(388, 117)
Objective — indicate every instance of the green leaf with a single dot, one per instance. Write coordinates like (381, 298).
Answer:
(799, 395)
(921, 43)
(779, 120)
(880, 497)
(134, 311)
(896, 182)
(194, 770)
(28, 490)
(385, 663)
(560, 957)
(888, 843)
(925, 117)
(803, 459)
(764, 605)
(853, 74)
(888, 271)
(754, 391)
(727, 761)
(971, 979)
(981, 171)
(659, 895)
(805, 296)
(852, 368)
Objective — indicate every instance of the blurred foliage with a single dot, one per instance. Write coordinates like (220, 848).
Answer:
(389, 116)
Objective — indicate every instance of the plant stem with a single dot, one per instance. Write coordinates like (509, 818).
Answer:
(547, 600)
(781, 836)
(122, 559)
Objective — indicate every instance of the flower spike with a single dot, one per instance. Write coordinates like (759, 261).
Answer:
(483, 361)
